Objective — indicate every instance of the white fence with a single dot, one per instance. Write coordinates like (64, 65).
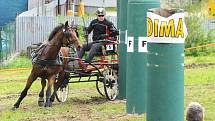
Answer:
(33, 30)
(209, 24)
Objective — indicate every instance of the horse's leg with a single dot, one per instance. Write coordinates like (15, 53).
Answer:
(41, 94)
(30, 80)
(51, 81)
(57, 84)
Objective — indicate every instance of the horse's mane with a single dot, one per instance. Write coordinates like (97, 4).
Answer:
(54, 31)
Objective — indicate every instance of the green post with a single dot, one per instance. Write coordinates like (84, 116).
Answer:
(136, 91)
(122, 49)
(118, 13)
(165, 101)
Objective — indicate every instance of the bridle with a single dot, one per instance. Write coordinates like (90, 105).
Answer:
(67, 34)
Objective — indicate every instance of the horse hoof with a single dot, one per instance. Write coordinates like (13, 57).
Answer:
(48, 105)
(41, 102)
(13, 109)
(52, 99)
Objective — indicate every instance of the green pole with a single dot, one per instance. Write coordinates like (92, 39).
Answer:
(136, 62)
(118, 14)
(122, 48)
(165, 101)
(165, 82)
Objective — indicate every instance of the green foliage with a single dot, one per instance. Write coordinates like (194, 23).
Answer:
(111, 9)
(90, 14)
(194, 8)
(203, 51)
(81, 34)
(197, 36)
(211, 35)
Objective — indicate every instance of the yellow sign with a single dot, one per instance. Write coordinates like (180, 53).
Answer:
(211, 8)
(166, 30)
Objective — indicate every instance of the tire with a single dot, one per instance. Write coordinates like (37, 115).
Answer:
(100, 88)
(62, 93)
(110, 82)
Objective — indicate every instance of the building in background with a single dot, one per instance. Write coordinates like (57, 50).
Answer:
(177, 3)
(56, 7)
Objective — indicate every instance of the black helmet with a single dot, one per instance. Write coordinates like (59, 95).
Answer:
(100, 11)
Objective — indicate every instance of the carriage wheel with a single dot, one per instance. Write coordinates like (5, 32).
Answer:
(62, 93)
(110, 83)
(100, 88)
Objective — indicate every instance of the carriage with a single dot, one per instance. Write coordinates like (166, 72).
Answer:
(104, 71)
(59, 66)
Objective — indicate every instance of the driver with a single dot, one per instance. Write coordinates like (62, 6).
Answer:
(99, 27)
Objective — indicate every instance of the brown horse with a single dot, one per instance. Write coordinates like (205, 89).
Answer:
(46, 65)
(64, 51)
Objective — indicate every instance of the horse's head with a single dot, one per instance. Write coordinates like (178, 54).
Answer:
(70, 35)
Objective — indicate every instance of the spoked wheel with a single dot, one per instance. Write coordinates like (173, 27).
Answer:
(100, 88)
(62, 93)
(110, 83)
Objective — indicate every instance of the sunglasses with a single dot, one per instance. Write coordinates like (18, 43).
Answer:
(100, 15)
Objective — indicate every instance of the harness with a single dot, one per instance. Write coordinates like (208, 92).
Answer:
(36, 60)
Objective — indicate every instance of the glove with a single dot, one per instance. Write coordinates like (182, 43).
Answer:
(114, 33)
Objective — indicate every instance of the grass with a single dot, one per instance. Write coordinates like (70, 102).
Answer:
(24, 62)
(84, 103)
(200, 59)
(205, 95)
(202, 76)
(21, 62)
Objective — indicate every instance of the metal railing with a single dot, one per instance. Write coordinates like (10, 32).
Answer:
(7, 41)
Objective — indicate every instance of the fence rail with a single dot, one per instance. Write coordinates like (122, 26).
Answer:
(208, 24)
(7, 41)
(32, 30)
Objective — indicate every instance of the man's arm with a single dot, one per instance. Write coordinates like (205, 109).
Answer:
(114, 31)
(87, 30)
(90, 27)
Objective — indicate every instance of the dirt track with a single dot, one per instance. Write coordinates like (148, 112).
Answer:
(81, 108)
(203, 65)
